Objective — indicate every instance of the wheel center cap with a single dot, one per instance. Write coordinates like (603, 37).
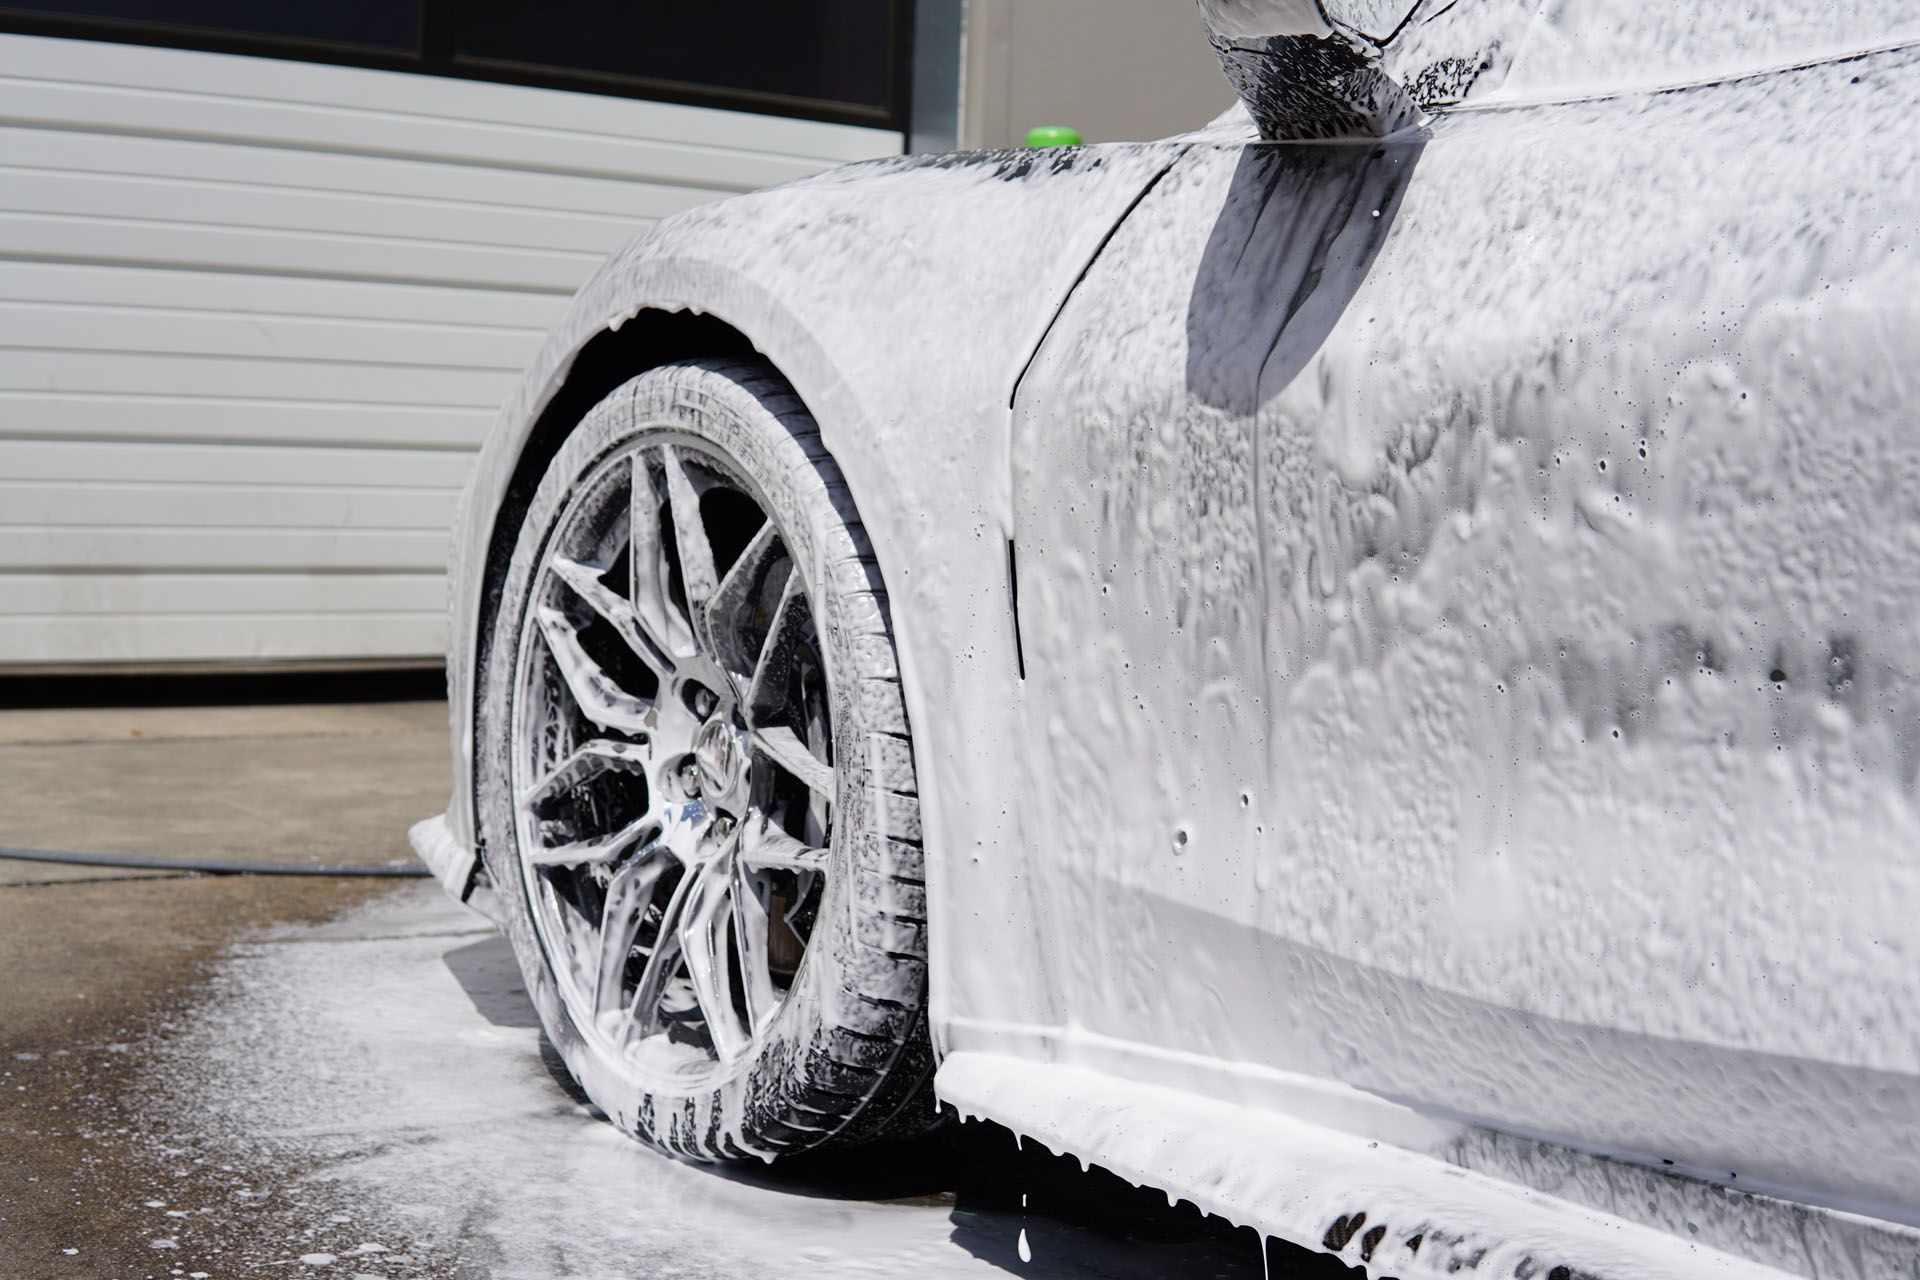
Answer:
(716, 748)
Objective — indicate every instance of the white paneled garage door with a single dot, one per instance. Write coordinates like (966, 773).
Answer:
(256, 315)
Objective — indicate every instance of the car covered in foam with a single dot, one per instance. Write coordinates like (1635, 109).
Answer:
(1355, 665)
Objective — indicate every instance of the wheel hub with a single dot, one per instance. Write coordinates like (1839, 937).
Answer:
(721, 753)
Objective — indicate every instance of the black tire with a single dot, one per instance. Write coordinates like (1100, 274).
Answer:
(846, 1059)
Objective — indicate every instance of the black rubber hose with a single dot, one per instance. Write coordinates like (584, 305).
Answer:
(213, 868)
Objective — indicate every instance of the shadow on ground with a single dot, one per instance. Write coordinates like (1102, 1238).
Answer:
(1015, 1205)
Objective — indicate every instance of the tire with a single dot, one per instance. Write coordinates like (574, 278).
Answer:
(591, 805)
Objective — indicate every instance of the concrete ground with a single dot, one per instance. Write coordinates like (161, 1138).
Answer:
(207, 1077)
(96, 963)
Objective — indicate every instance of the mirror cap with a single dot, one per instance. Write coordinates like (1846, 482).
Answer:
(1358, 68)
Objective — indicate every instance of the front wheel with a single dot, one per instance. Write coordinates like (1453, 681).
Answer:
(696, 782)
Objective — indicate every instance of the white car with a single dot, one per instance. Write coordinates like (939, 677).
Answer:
(1357, 666)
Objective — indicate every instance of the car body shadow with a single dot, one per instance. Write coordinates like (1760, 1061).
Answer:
(1292, 243)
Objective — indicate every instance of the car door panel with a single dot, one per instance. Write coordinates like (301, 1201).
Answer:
(1463, 583)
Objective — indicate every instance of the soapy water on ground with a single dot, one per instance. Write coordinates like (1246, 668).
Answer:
(377, 1092)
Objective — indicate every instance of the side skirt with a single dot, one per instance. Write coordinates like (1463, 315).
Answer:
(1394, 1212)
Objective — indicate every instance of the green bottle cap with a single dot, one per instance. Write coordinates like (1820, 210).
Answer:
(1053, 135)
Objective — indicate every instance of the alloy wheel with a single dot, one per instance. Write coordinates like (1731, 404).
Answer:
(672, 772)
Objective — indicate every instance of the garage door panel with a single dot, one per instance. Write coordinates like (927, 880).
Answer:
(622, 201)
(253, 205)
(121, 284)
(145, 594)
(264, 465)
(293, 637)
(199, 114)
(139, 372)
(218, 246)
(107, 417)
(160, 547)
(175, 331)
(237, 506)
(248, 80)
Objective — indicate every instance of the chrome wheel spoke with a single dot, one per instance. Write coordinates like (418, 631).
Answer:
(599, 698)
(584, 581)
(765, 847)
(596, 851)
(750, 925)
(590, 759)
(647, 555)
(697, 574)
(820, 795)
(767, 691)
(727, 612)
(643, 1011)
(705, 929)
(628, 896)
(783, 746)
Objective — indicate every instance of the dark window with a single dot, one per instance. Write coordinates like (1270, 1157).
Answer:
(840, 60)
(381, 24)
(824, 50)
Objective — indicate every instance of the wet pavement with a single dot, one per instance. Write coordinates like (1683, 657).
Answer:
(223, 1077)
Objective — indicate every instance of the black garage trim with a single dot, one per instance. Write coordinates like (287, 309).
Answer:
(433, 49)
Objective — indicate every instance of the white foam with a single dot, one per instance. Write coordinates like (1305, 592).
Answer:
(352, 1052)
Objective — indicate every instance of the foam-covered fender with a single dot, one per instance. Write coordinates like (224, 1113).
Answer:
(901, 298)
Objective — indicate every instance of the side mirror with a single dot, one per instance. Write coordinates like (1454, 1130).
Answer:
(1373, 20)
(1358, 68)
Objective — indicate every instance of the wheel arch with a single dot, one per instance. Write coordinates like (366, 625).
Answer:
(616, 353)
(614, 334)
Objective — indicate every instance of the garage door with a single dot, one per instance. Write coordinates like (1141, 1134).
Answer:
(256, 315)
